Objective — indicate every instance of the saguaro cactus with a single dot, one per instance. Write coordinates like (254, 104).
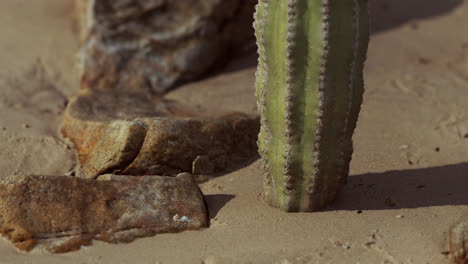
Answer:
(309, 89)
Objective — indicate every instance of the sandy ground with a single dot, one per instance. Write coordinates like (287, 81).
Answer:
(409, 175)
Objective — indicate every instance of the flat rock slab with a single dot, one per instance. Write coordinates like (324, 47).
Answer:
(64, 213)
(131, 134)
(459, 243)
(153, 45)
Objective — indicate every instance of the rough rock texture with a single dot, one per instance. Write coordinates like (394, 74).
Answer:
(153, 45)
(132, 52)
(130, 134)
(64, 213)
(459, 243)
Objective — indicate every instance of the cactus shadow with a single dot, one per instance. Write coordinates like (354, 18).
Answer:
(436, 186)
(215, 202)
(388, 14)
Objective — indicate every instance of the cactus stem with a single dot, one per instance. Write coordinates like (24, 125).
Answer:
(309, 90)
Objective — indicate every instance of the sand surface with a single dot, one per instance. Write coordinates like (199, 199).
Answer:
(409, 174)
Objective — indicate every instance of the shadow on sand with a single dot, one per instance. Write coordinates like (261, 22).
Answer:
(437, 186)
(447, 185)
(385, 15)
(215, 202)
(388, 14)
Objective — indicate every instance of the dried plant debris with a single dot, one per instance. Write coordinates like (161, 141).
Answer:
(64, 213)
(154, 45)
(130, 134)
(459, 243)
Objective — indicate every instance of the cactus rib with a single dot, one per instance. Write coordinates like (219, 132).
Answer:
(309, 89)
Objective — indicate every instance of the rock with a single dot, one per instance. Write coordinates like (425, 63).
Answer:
(458, 242)
(64, 213)
(154, 45)
(132, 134)
(202, 165)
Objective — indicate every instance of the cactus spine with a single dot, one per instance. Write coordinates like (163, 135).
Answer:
(309, 90)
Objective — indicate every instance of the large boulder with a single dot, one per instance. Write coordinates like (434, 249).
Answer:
(133, 51)
(154, 45)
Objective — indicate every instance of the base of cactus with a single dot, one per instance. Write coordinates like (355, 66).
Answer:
(309, 90)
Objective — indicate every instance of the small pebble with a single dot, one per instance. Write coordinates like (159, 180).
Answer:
(176, 217)
(25, 126)
(370, 243)
(346, 246)
(399, 216)
(424, 61)
(185, 219)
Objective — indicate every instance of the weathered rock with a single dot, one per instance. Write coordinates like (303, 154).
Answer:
(130, 134)
(202, 165)
(153, 45)
(459, 243)
(64, 213)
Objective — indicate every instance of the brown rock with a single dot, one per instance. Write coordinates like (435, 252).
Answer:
(153, 45)
(458, 239)
(202, 165)
(131, 134)
(64, 213)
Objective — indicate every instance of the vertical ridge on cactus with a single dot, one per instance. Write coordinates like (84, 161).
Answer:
(309, 89)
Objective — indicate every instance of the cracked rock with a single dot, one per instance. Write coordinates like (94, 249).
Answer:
(154, 45)
(130, 134)
(63, 213)
(459, 243)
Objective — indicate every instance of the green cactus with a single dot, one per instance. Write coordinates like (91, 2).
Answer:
(309, 89)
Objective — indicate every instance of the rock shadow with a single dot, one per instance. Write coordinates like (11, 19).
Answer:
(436, 186)
(215, 202)
(235, 166)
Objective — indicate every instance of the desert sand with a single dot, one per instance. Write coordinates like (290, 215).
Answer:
(409, 174)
